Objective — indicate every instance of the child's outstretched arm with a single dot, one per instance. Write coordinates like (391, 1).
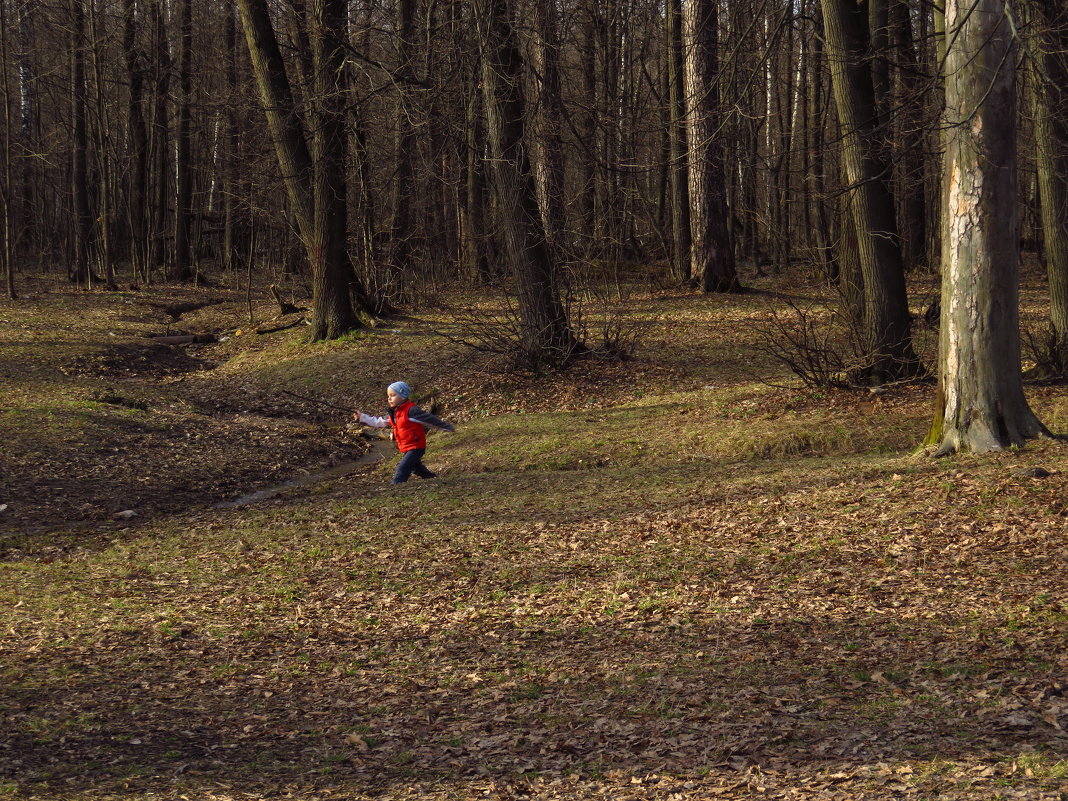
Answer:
(425, 418)
(367, 420)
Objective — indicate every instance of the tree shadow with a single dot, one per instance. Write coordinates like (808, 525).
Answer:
(353, 708)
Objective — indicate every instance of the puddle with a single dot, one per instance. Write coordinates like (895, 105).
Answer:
(377, 452)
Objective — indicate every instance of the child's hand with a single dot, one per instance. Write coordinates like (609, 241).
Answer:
(356, 415)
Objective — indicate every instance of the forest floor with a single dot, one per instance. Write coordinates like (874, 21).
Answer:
(679, 576)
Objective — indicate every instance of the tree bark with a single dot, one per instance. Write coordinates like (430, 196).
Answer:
(181, 269)
(332, 275)
(980, 402)
(887, 339)
(711, 255)
(404, 146)
(546, 143)
(80, 270)
(232, 231)
(157, 212)
(287, 130)
(137, 136)
(1048, 64)
(546, 338)
(316, 187)
(910, 135)
(678, 170)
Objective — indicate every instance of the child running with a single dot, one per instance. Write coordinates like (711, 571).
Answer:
(409, 424)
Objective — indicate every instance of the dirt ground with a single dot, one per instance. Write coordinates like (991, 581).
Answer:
(143, 427)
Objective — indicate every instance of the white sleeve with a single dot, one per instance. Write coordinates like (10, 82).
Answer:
(374, 422)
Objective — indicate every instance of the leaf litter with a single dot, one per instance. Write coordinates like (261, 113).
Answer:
(893, 630)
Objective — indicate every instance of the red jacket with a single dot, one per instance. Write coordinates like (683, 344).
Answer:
(408, 434)
(409, 424)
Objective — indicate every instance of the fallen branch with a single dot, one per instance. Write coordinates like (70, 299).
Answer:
(277, 328)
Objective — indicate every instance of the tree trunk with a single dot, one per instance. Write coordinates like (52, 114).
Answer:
(7, 189)
(105, 178)
(475, 207)
(712, 258)
(287, 130)
(232, 232)
(910, 136)
(137, 181)
(980, 403)
(317, 193)
(83, 220)
(546, 144)
(181, 269)
(332, 310)
(404, 148)
(1049, 76)
(887, 340)
(157, 211)
(677, 156)
(546, 339)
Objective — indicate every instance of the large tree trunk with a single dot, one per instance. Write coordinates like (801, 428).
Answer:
(546, 339)
(317, 193)
(287, 130)
(546, 143)
(711, 255)
(887, 340)
(332, 311)
(980, 403)
(1049, 76)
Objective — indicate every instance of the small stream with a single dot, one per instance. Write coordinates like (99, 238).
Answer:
(376, 453)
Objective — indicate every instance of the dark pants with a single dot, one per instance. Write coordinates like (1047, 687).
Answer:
(411, 462)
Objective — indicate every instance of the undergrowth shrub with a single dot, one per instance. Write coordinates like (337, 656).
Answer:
(817, 342)
(821, 342)
(596, 313)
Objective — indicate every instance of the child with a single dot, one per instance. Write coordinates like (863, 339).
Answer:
(409, 430)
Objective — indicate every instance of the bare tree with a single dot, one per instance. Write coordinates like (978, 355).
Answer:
(7, 187)
(80, 270)
(711, 255)
(980, 403)
(677, 157)
(1048, 65)
(181, 269)
(546, 336)
(885, 314)
(315, 179)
